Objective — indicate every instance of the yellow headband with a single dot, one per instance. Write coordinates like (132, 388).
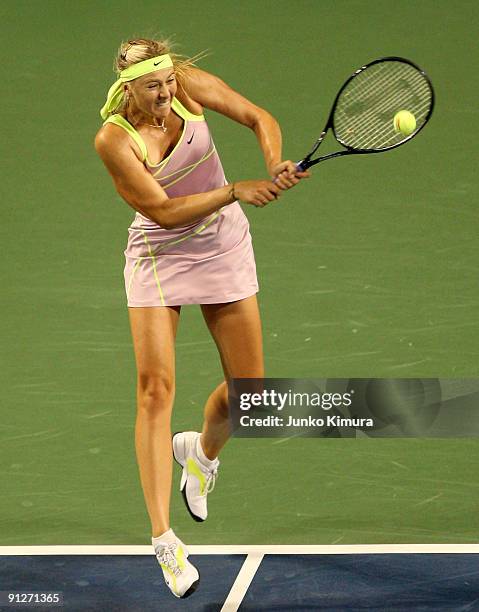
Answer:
(116, 92)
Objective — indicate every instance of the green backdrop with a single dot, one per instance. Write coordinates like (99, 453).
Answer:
(369, 269)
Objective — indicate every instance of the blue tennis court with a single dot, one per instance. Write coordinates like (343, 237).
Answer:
(444, 578)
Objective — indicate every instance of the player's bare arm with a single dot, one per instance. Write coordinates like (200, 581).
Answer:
(140, 190)
(214, 94)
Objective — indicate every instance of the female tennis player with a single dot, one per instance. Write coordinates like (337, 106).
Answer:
(189, 243)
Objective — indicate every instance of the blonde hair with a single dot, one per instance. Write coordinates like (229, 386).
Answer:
(139, 49)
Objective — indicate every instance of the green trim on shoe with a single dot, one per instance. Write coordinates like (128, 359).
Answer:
(193, 469)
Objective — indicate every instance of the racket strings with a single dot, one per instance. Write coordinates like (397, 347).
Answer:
(365, 110)
(376, 103)
(419, 110)
(369, 95)
(376, 91)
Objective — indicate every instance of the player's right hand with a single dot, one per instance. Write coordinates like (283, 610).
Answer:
(258, 193)
(286, 175)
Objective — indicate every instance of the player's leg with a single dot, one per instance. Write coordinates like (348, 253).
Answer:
(236, 330)
(154, 331)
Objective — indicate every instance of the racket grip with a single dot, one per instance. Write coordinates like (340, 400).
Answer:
(299, 168)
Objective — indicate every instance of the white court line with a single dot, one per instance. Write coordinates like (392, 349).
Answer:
(245, 549)
(242, 582)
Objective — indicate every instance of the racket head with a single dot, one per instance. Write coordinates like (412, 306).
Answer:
(362, 116)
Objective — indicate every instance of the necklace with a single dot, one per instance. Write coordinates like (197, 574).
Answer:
(162, 126)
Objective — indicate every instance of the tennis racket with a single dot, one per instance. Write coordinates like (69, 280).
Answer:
(362, 116)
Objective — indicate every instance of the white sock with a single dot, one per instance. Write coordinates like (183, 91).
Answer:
(208, 463)
(165, 538)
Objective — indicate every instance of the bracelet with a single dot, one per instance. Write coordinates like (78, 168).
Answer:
(232, 192)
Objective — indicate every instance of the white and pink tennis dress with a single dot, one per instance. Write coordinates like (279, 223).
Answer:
(208, 262)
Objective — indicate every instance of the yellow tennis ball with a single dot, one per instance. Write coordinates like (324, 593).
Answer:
(404, 122)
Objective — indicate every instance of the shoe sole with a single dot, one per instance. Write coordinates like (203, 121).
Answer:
(191, 590)
(183, 490)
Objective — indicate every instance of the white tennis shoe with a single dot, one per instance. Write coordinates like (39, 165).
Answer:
(180, 575)
(197, 480)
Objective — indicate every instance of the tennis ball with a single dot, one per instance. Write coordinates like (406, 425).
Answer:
(404, 122)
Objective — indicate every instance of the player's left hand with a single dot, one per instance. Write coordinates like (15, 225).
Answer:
(285, 174)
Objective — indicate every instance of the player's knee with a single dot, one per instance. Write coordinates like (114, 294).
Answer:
(156, 392)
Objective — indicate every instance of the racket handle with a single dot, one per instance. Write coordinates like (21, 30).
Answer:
(299, 168)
